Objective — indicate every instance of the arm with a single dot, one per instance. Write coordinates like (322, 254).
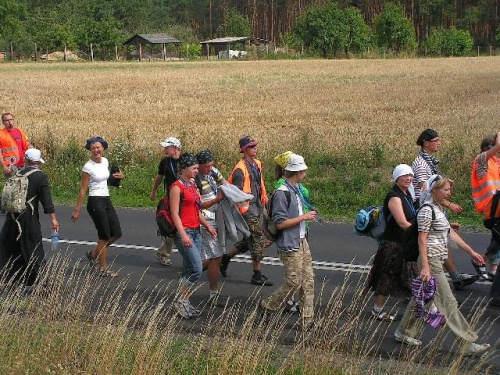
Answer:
(218, 199)
(175, 202)
(453, 207)
(288, 223)
(425, 271)
(279, 213)
(465, 247)
(156, 183)
(6, 168)
(209, 228)
(396, 208)
(55, 223)
(84, 185)
(495, 149)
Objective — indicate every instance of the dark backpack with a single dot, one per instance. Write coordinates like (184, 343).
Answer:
(269, 228)
(166, 227)
(409, 244)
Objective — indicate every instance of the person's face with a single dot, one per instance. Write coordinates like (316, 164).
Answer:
(404, 182)
(96, 149)
(192, 171)
(8, 121)
(301, 175)
(443, 193)
(205, 168)
(250, 152)
(432, 145)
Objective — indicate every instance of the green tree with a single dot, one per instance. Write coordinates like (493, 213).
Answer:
(234, 25)
(449, 42)
(12, 14)
(394, 31)
(323, 29)
(360, 35)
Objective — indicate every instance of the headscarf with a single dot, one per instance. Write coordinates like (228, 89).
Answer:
(403, 170)
(204, 156)
(283, 159)
(426, 195)
(92, 140)
(187, 160)
(423, 293)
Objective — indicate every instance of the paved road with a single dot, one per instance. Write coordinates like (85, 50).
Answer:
(336, 251)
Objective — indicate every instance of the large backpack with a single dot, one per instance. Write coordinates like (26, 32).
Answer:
(371, 221)
(15, 191)
(269, 228)
(409, 244)
(166, 227)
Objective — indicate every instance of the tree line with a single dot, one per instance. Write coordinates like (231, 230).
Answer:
(435, 25)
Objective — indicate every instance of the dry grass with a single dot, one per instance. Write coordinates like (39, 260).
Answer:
(83, 324)
(310, 106)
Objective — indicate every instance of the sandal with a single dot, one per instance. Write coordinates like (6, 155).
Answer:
(91, 258)
(383, 316)
(107, 273)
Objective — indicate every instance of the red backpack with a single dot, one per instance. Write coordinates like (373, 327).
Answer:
(166, 227)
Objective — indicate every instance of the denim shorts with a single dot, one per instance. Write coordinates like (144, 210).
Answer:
(191, 259)
(104, 217)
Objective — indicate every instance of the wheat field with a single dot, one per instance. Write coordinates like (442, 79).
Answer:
(313, 106)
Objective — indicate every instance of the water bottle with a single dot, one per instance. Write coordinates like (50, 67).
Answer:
(55, 239)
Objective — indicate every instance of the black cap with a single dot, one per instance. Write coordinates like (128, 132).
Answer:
(246, 142)
(426, 135)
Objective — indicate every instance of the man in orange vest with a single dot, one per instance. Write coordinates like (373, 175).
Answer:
(247, 176)
(13, 145)
(485, 181)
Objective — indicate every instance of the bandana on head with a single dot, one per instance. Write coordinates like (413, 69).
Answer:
(94, 140)
(187, 160)
(426, 195)
(204, 156)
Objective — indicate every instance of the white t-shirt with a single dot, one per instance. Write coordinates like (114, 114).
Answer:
(302, 223)
(99, 174)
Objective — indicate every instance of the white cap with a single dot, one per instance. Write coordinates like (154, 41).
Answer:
(296, 164)
(34, 155)
(171, 141)
(401, 170)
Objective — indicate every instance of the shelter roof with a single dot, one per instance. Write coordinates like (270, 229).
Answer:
(152, 39)
(234, 39)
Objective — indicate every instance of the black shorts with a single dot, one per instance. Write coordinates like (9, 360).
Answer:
(104, 217)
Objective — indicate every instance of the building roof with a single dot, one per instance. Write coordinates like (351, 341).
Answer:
(234, 39)
(152, 39)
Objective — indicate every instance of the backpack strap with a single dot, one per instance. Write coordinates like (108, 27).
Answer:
(494, 205)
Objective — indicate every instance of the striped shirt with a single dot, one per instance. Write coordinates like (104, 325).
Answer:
(207, 186)
(421, 173)
(439, 229)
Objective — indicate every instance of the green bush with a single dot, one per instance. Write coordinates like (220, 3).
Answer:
(190, 50)
(394, 31)
(448, 42)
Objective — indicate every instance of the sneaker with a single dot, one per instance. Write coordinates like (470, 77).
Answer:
(399, 337)
(262, 281)
(162, 260)
(214, 300)
(182, 309)
(383, 316)
(475, 349)
(292, 306)
(481, 271)
(464, 280)
(224, 263)
(193, 311)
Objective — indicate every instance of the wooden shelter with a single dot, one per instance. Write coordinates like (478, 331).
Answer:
(152, 39)
(225, 43)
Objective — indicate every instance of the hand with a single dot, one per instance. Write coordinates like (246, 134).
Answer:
(55, 225)
(477, 258)
(6, 169)
(455, 226)
(425, 274)
(455, 208)
(212, 231)
(311, 215)
(220, 195)
(119, 175)
(152, 196)
(75, 216)
(186, 240)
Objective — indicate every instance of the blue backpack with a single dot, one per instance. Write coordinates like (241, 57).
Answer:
(371, 221)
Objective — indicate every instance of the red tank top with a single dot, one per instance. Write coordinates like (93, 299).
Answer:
(189, 205)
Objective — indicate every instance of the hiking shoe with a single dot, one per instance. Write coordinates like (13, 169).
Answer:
(475, 349)
(262, 281)
(182, 309)
(383, 316)
(224, 263)
(193, 311)
(292, 306)
(464, 280)
(162, 260)
(481, 271)
(399, 337)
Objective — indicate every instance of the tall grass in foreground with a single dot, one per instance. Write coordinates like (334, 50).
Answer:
(80, 323)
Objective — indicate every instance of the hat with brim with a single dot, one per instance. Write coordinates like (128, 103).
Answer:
(247, 142)
(296, 164)
(171, 141)
(34, 155)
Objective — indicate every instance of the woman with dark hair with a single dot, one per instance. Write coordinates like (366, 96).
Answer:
(434, 232)
(95, 176)
(388, 275)
(185, 208)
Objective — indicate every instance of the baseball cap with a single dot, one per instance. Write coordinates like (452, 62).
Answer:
(34, 155)
(246, 142)
(171, 141)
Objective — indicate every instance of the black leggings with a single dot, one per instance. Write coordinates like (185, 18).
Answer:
(104, 217)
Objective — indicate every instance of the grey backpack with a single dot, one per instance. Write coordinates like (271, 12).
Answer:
(15, 191)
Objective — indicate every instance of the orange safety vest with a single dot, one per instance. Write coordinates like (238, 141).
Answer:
(246, 182)
(484, 189)
(8, 147)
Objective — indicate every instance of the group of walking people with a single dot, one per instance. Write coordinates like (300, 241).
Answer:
(204, 207)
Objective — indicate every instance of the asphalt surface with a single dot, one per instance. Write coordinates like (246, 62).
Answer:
(337, 252)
